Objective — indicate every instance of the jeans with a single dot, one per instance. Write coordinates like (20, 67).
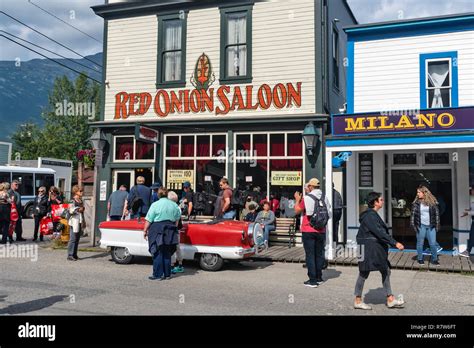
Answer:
(162, 262)
(363, 277)
(229, 215)
(4, 225)
(470, 242)
(266, 231)
(73, 244)
(425, 231)
(37, 224)
(336, 217)
(314, 244)
(19, 227)
(115, 218)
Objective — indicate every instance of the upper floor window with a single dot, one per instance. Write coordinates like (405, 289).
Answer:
(439, 80)
(335, 58)
(171, 67)
(236, 45)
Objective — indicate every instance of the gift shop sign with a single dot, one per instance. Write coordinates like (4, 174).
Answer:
(432, 120)
(203, 98)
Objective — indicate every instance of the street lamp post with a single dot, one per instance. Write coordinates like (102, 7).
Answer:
(98, 141)
(310, 138)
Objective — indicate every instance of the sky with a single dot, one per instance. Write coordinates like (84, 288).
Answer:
(79, 14)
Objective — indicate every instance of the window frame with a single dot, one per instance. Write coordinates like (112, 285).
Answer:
(225, 12)
(160, 84)
(425, 59)
(336, 54)
(115, 160)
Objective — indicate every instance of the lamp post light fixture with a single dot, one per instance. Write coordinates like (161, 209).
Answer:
(99, 142)
(310, 138)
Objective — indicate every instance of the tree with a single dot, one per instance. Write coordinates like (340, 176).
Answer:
(71, 106)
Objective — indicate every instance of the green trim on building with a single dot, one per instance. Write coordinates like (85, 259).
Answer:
(162, 18)
(223, 78)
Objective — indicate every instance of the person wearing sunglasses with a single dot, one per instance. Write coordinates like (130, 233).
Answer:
(40, 209)
(76, 222)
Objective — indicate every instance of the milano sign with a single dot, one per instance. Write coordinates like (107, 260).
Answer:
(203, 99)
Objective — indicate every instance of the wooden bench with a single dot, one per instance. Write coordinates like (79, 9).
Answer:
(285, 233)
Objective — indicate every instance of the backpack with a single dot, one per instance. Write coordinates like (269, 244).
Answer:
(136, 202)
(199, 201)
(320, 216)
(238, 199)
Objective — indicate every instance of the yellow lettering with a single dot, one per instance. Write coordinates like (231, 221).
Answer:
(448, 124)
(354, 124)
(372, 123)
(424, 121)
(405, 123)
(383, 123)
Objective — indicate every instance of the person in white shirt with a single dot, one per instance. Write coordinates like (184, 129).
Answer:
(469, 212)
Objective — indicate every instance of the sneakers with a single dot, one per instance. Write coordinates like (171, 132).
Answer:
(319, 282)
(177, 269)
(70, 258)
(435, 263)
(428, 251)
(310, 284)
(421, 262)
(362, 305)
(465, 253)
(397, 303)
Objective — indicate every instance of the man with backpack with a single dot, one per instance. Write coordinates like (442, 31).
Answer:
(315, 210)
(139, 199)
(223, 207)
(188, 199)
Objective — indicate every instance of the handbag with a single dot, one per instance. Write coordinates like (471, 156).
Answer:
(66, 214)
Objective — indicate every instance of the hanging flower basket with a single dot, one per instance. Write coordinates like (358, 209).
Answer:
(87, 157)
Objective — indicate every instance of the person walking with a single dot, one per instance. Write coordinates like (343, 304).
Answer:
(223, 207)
(16, 197)
(374, 239)
(178, 255)
(266, 217)
(5, 210)
(76, 222)
(314, 240)
(154, 191)
(40, 209)
(425, 222)
(161, 230)
(116, 203)
(140, 198)
(470, 212)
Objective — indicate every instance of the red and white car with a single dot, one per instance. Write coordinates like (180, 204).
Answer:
(209, 242)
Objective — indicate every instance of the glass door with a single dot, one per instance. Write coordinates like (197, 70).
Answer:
(123, 177)
(404, 185)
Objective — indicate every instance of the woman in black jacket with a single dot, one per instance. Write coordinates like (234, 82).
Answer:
(425, 221)
(374, 239)
(40, 209)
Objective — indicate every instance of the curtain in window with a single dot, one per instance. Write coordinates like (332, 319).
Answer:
(172, 56)
(237, 54)
(438, 76)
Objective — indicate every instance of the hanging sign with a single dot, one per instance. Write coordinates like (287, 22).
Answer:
(175, 178)
(148, 135)
(286, 178)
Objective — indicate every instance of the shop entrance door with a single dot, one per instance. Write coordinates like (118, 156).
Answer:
(404, 186)
(123, 177)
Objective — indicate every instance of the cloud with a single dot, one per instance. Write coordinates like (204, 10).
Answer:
(370, 11)
(75, 12)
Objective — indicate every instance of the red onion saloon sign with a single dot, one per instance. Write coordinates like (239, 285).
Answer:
(203, 99)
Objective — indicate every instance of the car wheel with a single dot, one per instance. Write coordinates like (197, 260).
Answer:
(211, 262)
(121, 255)
(29, 211)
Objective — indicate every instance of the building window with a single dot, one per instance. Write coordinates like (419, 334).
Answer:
(335, 58)
(171, 58)
(129, 149)
(236, 45)
(439, 80)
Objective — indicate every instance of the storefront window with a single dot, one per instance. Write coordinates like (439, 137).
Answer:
(210, 171)
(286, 177)
(187, 146)
(203, 145)
(404, 158)
(218, 144)
(124, 148)
(253, 174)
(277, 144)
(172, 146)
(437, 158)
(144, 151)
(243, 142)
(260, 145)
(294, 145)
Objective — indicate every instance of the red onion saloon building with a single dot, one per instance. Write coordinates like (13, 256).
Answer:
(198, 90)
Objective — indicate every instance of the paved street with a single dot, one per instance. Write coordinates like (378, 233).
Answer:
(96, 285)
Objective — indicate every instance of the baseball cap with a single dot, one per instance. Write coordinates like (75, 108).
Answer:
(186, 184)
(156, 185)
(313, 182)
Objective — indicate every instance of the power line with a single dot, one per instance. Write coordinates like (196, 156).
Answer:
(67, 67)
(57, 54)
(72, 26)
(46, 36)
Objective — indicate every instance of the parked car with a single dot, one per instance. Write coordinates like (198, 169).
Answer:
(209, 242)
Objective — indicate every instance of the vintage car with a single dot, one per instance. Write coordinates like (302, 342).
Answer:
(210, 242)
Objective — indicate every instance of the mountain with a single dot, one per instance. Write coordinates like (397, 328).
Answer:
(24, 89)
